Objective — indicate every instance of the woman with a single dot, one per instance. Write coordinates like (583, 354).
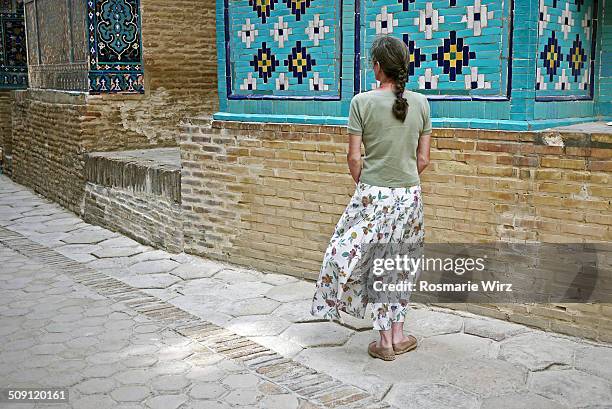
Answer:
(395, 128)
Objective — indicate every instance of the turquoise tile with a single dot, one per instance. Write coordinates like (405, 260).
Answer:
(491, 50)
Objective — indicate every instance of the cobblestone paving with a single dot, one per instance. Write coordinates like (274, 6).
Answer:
(56, 333)
(245, 335)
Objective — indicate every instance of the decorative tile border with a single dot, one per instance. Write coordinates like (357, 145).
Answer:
(115, 46)
(316, 387)
(13, 53)
(438, 122)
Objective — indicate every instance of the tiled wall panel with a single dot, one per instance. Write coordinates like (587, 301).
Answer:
(482, 63)
(566, 49)
(13, 60)
(283, 48)
(457, 47)
(115, 46)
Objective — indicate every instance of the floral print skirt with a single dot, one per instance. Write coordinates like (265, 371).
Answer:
(375, 215)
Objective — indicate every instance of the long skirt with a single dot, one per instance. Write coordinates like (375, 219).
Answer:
(374, 216)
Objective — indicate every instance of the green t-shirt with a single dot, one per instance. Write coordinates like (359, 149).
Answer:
(390, 145)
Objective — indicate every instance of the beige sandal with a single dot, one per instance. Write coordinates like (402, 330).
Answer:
(405, 346)
(386, 354)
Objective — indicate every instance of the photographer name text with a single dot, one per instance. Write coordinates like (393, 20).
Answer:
(424, 286)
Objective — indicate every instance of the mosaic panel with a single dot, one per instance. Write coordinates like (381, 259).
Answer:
(566, 49)
(458, 48)
(13, 60)
(283, 48)
(115, 46)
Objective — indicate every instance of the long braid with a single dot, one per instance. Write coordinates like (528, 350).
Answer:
(392, 54)
(400, 107)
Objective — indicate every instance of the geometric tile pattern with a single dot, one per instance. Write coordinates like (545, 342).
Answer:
(565, 58)
(13, 60)
(457, 48)
(115, 46)
(284, 48)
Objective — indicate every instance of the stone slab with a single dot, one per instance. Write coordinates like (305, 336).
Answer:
(208, 390)
(415, 365)
(538, 351)
(278, 279)
(486, 377)
(166, 401)
(244, 290)
(250, 306)
(257, 325)
(296, 311)
(297, 291)
(283, 401)
(317, 334)
(88, 237)
(430, 396)
(193, 270)
(596, 360)
(157, 281)
(112, 252)
(521, 401)
(232, 276)
(572, 388)
(426, 323)
(494, 329)
(458, 346)
(153, 267)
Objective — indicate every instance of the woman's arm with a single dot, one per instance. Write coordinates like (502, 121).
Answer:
(423, 151)
(425, 138)
(353, 157)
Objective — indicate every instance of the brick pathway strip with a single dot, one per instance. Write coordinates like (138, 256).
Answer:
(307, 383)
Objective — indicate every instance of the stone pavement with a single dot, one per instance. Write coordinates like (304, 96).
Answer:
(124, 325)
(57, 333)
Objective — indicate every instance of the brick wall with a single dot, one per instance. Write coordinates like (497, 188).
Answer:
(148, 219)
(269, 195)
(180, 79)
(266, 195)
(53, 133)
(6, 102)
(47, 150)
(55, 129)
(180, 53)
(487, 185)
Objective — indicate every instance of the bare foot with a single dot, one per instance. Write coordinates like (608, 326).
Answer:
(384, 343)
(400, 338)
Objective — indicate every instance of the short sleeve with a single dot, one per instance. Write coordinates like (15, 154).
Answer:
(426, 117)
(355, 124)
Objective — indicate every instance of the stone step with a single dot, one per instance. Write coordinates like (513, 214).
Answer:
(137, 193)
(149, 171)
